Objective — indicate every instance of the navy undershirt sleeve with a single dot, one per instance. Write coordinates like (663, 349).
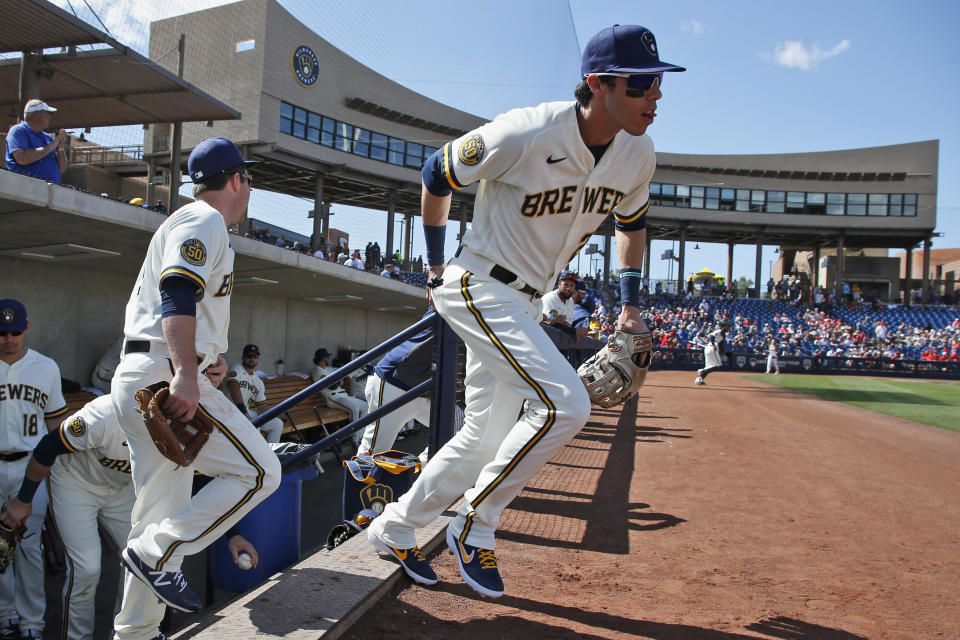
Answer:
(177, 297)
(433, 178)
(49, 447)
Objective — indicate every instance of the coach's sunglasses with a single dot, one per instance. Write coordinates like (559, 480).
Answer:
(4, 334)
(638, 83)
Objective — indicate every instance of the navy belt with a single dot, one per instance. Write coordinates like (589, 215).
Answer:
(508, 278)
(13, 456)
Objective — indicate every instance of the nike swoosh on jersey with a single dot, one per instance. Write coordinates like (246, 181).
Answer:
(552, 160)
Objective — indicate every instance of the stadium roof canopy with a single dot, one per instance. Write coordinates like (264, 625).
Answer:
(107, 86)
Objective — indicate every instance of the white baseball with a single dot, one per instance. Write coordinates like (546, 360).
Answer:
(244, 561)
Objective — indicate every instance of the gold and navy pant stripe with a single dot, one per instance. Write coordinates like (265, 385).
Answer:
(239, 504)
(541, 394)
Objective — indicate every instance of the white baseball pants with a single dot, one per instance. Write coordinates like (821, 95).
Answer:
(513, 370)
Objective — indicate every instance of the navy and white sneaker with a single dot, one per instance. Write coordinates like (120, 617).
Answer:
(412, 560)
(478, 567)
(169, 586)
(10, 629)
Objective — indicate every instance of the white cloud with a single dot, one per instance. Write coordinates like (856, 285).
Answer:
(793, 54)
(695, 27)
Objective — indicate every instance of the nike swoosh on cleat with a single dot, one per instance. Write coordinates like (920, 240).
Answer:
(401, 554)
(467, 559)
(552, 160)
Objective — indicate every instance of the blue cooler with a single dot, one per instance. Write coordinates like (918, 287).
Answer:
(273, 528)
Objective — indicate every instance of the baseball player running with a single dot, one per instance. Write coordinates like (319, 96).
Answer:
(246, 389)
(176, 323)
(31, 403)
(712, 360)
(549, 175)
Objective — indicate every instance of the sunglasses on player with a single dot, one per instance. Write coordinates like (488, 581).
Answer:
(4, 334)
(638, 83)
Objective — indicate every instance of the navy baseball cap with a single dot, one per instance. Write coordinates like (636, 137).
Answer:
(320, 354)
(626, 48)
(13, 315)
(251, 349)
(214, 156)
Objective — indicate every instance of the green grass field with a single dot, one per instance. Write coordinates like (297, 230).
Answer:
(933, 402)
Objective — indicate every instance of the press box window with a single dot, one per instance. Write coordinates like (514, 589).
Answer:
(835, 204)
(696, 197)
(816, 203)
(378, 147)
(246, 45)
(328, 130)
(775, 200)
(396, 151)
(856, 204)
(286, 118)
(910, 204)
(795, 202)
(877, 204)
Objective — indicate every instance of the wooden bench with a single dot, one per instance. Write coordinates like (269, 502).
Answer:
(76, 400)
(306, 414)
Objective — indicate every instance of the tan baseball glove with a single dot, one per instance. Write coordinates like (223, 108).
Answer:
(8, 544)
(178, 441)
(618, 370)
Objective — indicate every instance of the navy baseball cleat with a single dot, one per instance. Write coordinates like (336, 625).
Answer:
(412, 560)
(478, 567)
(169, 586)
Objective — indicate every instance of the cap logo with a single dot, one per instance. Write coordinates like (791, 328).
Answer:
(7, 315)
(649, 43)
(471, 150)
(194, 252)
(305, 65)
(198, 175)
(77, 427)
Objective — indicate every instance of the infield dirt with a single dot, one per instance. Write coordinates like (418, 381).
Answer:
(733, 510)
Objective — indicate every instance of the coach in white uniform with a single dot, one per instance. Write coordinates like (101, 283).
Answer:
(549, 175)
(31, 403)
(246, 389)
(176, 324)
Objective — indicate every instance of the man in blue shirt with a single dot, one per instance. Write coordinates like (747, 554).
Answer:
(32, 151)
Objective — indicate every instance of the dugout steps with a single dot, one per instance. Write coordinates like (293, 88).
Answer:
(322, 596)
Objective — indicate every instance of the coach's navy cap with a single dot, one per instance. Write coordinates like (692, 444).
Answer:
(13, 315)
(624, 48)
(251, 349)
(320, 354)
(214, 156)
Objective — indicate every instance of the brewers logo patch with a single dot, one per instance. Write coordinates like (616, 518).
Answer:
(306, 66)
(77, 427)
(193, 252)
(471, 150)
(7, 315)
(376, 496)
(649, 43)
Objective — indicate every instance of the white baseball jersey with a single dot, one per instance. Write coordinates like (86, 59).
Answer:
(251, 386)
(551, 303)
(191, 243)
(101, 457)
(30, 393)
(533, 214)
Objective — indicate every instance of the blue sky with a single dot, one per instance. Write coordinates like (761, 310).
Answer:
(763, 76)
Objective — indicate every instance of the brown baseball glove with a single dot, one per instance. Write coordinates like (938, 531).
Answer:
(618, 370)
(178, 441)
(8, 544)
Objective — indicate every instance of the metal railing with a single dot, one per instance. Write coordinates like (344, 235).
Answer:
(105, 156)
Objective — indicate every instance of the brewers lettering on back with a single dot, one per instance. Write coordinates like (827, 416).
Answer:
(549, 175)
(176, 325)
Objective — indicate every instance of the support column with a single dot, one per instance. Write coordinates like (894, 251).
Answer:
(317, 240)
(408, 238)
(681, 259)
(648, 245)
(729, 264)
(758, 267)
(606, 258)
(816, 266)
(907, 284)
(925, 287)
(841, 269)
(29, 82)
(391, 210)
(173, 198)
(151, 188)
